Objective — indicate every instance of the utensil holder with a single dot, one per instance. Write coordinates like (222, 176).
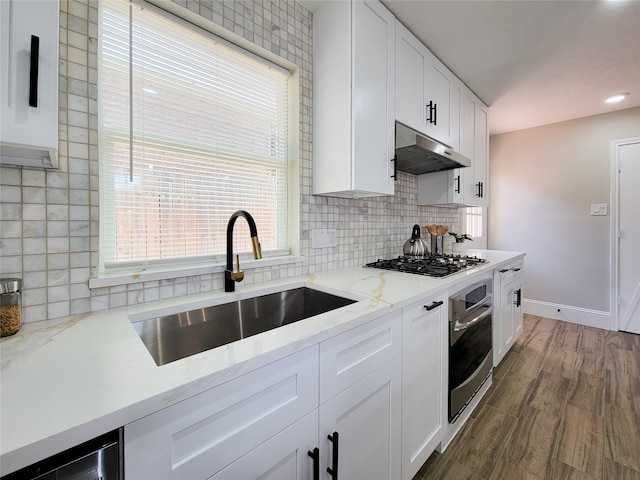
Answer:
(437, 244)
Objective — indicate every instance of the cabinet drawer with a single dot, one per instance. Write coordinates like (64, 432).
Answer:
(510, 272)
(349, 357)
(198, 437)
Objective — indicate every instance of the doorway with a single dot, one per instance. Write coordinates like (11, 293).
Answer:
(626, 233)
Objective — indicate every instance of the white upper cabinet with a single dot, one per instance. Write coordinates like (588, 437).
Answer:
(427, 96)
(481, 158)
(353, 99)
(410, 67)
(463, 186)
(29, 82)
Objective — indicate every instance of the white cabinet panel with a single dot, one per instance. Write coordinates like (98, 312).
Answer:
(283, 457)
(507, 325)
(410, 69)
(367, 419)
(198, 437)
(427, 94)
(349, 357)
(29, 82)
(424, 381)
(353, 93)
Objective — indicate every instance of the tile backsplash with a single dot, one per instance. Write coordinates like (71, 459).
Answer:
(49, 220)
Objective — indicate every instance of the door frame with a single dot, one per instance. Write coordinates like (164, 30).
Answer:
(615, 225)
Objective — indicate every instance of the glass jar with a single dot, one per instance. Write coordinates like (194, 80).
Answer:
(10, 306)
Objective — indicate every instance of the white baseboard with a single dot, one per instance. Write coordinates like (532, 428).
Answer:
(568, 313)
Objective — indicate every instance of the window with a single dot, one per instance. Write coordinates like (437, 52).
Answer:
(473, 220)
(192, 129)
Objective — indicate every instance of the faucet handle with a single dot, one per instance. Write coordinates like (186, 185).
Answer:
(237, 274)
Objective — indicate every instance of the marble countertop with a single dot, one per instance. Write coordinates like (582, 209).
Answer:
(64, 382)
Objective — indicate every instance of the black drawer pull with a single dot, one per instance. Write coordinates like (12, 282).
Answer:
(503, 270)
(433, 305)
(515, 269)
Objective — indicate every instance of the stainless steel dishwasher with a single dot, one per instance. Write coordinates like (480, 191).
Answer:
(97, 459)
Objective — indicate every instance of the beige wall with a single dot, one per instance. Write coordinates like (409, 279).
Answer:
(543, 182)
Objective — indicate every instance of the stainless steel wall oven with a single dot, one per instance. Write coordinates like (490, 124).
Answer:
(470, 343)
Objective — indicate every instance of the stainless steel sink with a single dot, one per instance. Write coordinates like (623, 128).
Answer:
(180, 335)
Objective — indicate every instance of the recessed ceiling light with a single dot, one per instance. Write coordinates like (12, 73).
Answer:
(618, 97)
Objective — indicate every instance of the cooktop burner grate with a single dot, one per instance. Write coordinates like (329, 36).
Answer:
(429, 265)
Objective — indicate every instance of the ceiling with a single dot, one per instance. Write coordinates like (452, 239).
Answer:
(534, 62)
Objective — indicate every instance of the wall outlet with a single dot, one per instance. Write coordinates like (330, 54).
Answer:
(324, 237)
(598, 209)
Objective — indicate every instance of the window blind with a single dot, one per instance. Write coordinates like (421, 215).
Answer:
(192, 129)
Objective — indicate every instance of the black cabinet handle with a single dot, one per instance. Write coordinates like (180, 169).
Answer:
(333, 470)
(518, 301)
(515, 269)
(457, 188)
(433, 305)
(431, 112)
(479, 192)
(33, 71)
(315, 454)
(503, 270)
(395, 168)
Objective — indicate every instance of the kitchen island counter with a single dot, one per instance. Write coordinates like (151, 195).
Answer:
(64, 382)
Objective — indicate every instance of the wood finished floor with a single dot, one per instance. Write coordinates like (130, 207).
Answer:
(564, 405)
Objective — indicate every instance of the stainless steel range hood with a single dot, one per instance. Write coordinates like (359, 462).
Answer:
(418, 154)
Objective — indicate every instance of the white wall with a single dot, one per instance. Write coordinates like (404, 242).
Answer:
(543, 181)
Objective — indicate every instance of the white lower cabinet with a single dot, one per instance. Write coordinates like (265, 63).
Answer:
(366, 418)
(200, 436)
(265, 423)
(424, 381)
(360, 390)
(507, 325)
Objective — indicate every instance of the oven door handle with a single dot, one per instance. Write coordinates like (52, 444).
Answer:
(459, 327)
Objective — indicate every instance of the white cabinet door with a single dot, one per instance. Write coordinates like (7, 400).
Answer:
(427, 93)
(424, 381)
(202, 435)
(515, 289)
(439, 98)
(507, 319)
(373, 102)
(29, 81)
(353, 110)
(283, 457)
(366, 417)
(410, 69)
(481, 156)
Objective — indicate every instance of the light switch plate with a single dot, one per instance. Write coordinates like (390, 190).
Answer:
(324, 237)
(598, 209)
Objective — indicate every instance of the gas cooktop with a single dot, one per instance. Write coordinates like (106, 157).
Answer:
(429, 265)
